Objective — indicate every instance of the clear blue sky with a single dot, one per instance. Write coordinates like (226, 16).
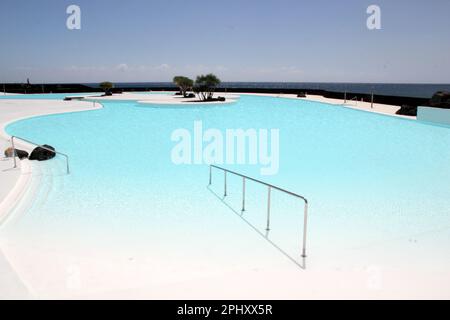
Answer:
(239, 40)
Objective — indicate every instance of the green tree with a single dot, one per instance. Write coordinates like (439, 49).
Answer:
(205, 86)
(107, 86)
(184, 83)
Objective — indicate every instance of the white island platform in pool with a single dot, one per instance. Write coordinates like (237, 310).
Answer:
(128, 223)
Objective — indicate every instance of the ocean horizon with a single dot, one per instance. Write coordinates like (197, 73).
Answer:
(416, 90)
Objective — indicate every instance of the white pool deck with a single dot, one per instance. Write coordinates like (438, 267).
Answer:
(113, 273)
(156, 98)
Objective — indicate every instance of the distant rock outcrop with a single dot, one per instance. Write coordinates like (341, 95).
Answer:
(440, 99)
(301, 95)
(41, 154)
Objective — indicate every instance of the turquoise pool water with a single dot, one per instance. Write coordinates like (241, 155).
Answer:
(369, 178)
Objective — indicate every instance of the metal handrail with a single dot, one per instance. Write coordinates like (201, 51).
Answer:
(270, 187)
(38, 145)
(355, 98)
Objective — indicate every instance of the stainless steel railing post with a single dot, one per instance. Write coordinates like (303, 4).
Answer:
(268, 209)
(243, 194)
(305, 226)
(67, 165)
(210, 175)
(225, 184)
(14, 152)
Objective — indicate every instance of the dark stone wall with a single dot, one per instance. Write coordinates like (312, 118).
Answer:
(74, 88)
(45, 88)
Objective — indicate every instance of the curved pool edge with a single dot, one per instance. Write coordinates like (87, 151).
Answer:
(15, 195)
(13, 198)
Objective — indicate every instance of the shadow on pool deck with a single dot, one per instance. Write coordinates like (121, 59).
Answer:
(264, 235)
(11, 287)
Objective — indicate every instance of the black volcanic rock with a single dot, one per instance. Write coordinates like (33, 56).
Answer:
(440, 99)
(21, 154)
(41, 154)
(407, 110)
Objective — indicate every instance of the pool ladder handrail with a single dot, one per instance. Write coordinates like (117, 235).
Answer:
(40, 146)
(355, 98)
(270, 187)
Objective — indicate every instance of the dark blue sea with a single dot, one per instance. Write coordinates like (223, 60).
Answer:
(388, 89)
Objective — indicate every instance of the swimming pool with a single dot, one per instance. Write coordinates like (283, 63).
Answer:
(370, 180)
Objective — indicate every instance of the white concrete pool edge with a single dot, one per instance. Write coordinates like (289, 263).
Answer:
(12, 199)
(14, 196)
